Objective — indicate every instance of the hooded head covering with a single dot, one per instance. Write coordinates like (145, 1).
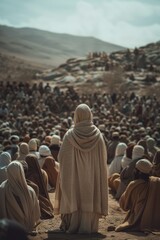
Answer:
(44, 151)
(23, 151)
(138, 152)
(55, 140)
(82, 113)
(151, 143)
(84, 135)
(14, 139)
(32, 145)
(144, 166)
(5, 159)
(47, 139)
(26, 210)
(120, 149)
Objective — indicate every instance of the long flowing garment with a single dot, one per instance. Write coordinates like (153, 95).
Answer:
(82, 187)
(18, 200)
(37, 176)
(141, 201)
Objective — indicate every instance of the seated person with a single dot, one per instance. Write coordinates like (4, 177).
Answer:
(141, 200)
(39, 177)
(18, 200)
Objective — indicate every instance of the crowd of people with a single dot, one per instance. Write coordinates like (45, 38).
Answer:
(78, 146)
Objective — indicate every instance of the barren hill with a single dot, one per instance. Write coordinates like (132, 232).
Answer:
(49, 48)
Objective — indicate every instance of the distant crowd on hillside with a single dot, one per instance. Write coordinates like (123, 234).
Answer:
(39, 110)
(134, 60)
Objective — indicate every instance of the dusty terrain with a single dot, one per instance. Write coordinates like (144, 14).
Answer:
(106, 227)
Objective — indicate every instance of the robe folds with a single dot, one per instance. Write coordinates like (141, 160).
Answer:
(141, 199)
(82, 185)
(18, 200)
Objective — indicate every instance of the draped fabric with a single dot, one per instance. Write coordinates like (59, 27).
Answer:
(156, 164)
(18, 200)
(5, 159)
(23, 151)
(50, 168)
(141, 200)
(82, 182)
(36, 175)
(116, 165)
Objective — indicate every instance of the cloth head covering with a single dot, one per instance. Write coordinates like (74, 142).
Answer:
(5, 159)
(23, 151)
(18, 200)
(82, 113)
(138, 152)
(55, 139)
(50, 168)
(115, 134)
(14, 138)
(144, 166)
(120, 149)
(44, 151)
(34, 173)
(10, 229)
(32, 144)
(151, 143)
(85, 135)
(143, 143)
(48, 139)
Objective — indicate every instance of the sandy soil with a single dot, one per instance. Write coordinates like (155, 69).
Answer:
(106, 227)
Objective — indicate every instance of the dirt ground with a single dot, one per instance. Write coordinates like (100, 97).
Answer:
(106, 227)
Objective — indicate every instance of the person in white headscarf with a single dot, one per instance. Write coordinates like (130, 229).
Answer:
(44, 152)
(82, 189)
(18, 200)
(127, 174)
(116, 165)
(5, 159)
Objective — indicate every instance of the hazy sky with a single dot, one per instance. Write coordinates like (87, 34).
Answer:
(129, 23)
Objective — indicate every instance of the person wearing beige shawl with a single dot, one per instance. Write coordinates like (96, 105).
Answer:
(82, 188)
(18, 200)
(141, 200)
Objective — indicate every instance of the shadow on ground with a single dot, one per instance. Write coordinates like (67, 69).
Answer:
(60, 235)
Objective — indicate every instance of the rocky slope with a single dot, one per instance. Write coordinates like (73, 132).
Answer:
(129, 69)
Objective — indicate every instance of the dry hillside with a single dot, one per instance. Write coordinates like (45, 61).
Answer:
(49, 48)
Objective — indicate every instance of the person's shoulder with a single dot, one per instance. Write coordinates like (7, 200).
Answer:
(31, 190)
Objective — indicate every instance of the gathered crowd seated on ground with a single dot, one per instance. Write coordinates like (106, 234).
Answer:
(34, 119)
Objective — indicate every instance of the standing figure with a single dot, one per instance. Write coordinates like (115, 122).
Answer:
(82, 188)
